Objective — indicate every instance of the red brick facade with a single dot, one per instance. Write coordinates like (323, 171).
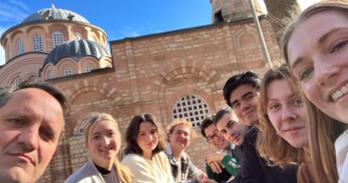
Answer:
(151, 73)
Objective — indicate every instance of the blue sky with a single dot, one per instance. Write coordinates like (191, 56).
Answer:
(118, 18)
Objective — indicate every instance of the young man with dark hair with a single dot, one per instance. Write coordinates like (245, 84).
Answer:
(222, 165)
(31, 123)
(241, 94)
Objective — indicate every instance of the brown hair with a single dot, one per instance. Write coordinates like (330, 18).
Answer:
(89, 123)
(132, 133)
(269, 144)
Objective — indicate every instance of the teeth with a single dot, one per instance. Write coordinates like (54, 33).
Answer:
(339, 93)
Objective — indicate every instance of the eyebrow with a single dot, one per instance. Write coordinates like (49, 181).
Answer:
(324, 37)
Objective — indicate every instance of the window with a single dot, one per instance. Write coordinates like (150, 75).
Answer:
(88, 68)
(67, 71)
(58, 38)
(15, 81)
(19, 46)
(192, 108)
(37, 43)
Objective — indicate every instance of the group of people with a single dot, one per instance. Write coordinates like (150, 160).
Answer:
(288, 126)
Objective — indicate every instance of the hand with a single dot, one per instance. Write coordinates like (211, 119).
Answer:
(207, 180)
(215, 167)
(215, 157)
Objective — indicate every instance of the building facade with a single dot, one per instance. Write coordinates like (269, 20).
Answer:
(176, 74)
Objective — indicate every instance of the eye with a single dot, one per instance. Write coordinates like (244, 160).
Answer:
(305, 73)
(46, 134)
(17, 122)
(338, 46)
(230, 124)
(297, 102)
(223, 132)
(236, 105)
(153, 131)
(111, 134)
(273, 107)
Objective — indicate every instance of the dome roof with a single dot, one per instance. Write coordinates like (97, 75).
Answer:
(76, 49)
(53, 13)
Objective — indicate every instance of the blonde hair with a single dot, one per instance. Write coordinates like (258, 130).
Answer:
(269, 144)
(89, 123)
(170, 128)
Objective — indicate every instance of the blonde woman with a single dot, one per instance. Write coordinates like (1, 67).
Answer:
(103, 142)
(315, 47)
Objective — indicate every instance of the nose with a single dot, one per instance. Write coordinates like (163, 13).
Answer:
(324, 71)
(106, 141)
(288, 114)
(149, 137)
(29, 139)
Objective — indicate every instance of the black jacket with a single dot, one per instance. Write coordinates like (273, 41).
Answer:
(255, 169)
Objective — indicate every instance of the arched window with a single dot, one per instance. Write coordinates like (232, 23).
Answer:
(192, 108)
(67, 71)
(37, 43)
(88, 68)
(19, 46)
(58, 38)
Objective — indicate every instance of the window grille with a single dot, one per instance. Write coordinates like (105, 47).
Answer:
(191, 108)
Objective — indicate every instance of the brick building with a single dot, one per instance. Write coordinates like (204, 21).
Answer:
(176, 74)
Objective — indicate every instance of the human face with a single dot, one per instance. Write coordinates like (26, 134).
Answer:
(147, 138)
(30, 125)
(214, 137)
(319, 61)
(287, 113)
(244, 103)
(103, 143)
(231, 130)
(180, 137)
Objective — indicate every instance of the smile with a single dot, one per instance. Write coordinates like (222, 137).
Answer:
(340, 93)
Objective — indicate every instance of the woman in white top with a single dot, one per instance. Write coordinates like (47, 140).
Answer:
(315, 46)
(103, 142)
(144, 152)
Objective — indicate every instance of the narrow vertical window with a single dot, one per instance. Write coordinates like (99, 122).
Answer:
(19, 46)
(67, 71)
(58, 38)
(88, 68)
(37, 43)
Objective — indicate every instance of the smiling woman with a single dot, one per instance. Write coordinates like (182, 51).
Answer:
(103, 142)
(144, 151)
(319, 62)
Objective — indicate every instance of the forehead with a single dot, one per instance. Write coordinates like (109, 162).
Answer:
(103, 125)
(210, 129)
(273, 88)
(145, 126)
(181, 127)
(35, 104)
(302, 43)
(241, 90)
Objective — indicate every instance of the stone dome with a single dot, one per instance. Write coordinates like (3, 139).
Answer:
(53, 14)
(76, 49)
